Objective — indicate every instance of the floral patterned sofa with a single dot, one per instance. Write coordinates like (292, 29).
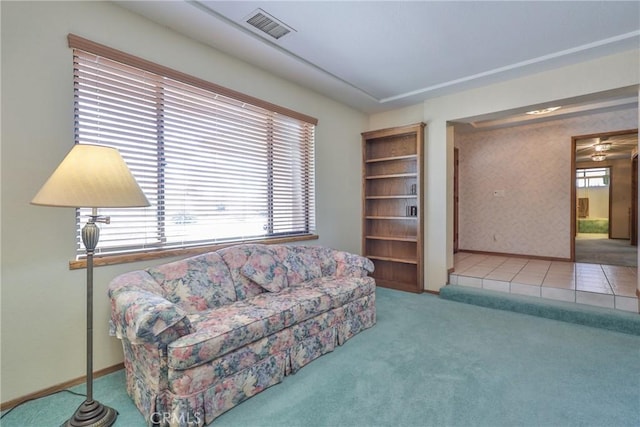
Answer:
(203, 334)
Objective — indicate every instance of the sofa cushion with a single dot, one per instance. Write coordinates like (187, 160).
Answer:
(296, 303)
(222, 330)
(301, 266)
(197, 283)
(265, 270)
(236, 257)
(343, 290)
(322, 254)
(225, 329)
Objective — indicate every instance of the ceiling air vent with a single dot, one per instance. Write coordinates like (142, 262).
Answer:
(268, 24)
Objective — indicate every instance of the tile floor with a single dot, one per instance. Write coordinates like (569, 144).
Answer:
(601, 285)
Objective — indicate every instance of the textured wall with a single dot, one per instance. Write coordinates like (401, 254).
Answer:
(530, 167)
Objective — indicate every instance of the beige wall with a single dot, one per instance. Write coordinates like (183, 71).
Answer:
(531, 164)
(43, 315)
(608, 73)
(598, 201)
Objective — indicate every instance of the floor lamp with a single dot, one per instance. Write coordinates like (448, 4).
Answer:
(91, 176)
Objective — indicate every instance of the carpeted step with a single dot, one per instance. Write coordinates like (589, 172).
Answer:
(598, 317)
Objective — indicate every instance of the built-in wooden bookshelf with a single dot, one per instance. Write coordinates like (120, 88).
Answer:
(392, 225)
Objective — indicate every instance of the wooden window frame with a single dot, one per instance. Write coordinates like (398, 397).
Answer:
(78, 43)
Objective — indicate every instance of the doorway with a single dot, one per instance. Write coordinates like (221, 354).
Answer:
(603, 210)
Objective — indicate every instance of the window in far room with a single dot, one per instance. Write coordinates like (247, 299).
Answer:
(592, 177)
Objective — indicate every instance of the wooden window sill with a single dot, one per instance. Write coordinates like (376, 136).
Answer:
(102, 260)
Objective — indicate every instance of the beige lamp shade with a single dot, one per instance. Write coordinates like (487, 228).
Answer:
(91, 176)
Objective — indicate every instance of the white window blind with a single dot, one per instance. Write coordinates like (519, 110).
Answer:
(215, 169)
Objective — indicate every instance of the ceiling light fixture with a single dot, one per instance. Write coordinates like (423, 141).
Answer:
(543, 111)
(602, 146)
(598, 157)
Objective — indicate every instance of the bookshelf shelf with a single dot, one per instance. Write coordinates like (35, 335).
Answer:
(392, 225)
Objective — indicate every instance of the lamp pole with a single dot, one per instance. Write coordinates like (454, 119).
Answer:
(91, 412)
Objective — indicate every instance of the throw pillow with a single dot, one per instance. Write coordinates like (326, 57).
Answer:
(301, 267)
(262, 268)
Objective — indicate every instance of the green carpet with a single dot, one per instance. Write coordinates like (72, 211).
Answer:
(430, 362)
(581, 314)
(593, 225)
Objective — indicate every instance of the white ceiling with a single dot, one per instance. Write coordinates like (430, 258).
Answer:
(381, 55)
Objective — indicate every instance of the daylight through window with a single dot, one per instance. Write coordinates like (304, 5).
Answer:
(592, 177)
(215, 169)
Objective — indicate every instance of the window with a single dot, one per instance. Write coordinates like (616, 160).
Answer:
(215, 167)
(592, 177)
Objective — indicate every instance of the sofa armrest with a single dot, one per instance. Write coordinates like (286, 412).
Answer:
(140, 314)
(350, 264)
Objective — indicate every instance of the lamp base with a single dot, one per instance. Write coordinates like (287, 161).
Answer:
(92, 413)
